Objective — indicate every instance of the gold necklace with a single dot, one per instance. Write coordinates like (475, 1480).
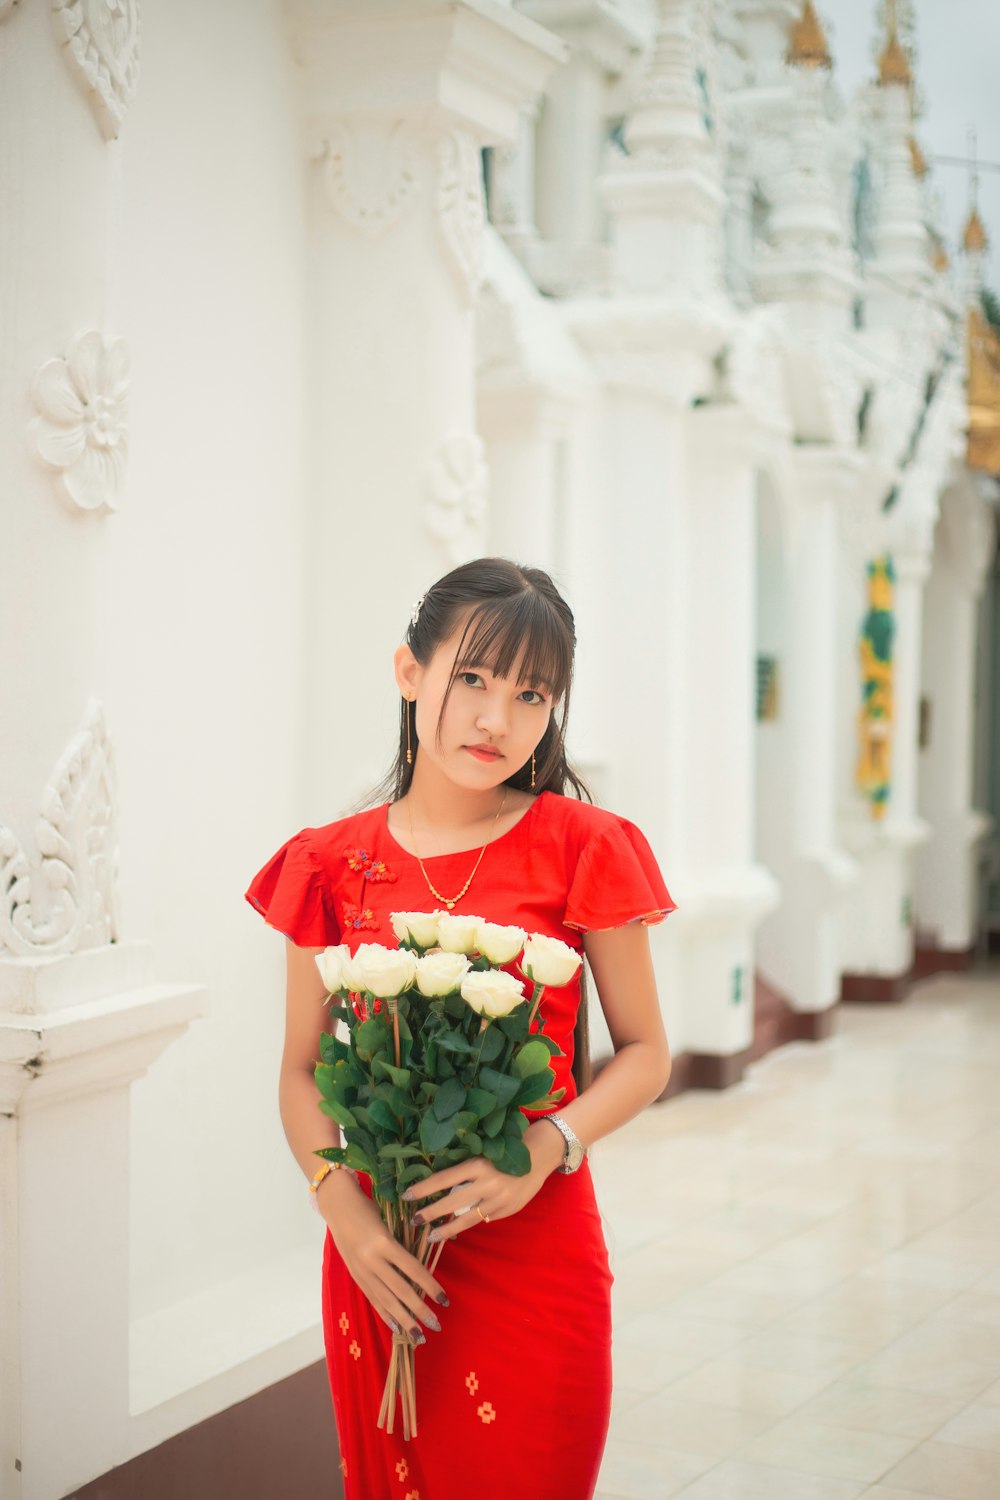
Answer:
(434, 891)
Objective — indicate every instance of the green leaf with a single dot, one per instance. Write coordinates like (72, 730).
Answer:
(532, 1058)
(381, 1115)
(519, 1158)
(492, 1124)
(337, 1111)
(401, 1104)
(416, 1173)
(494, 1150)
(515, 1025)
(471, 1141)
(371, 1037)
(361, 1139)
(399, 1076)
(515, 1126)
(482, 1101)
(396, 1151)
(500, 1084)
(533, 1088)
(549, 1099)
(359, 1160)
(331, 1153)
(490, 1044)
(435, 1134)
(449, 1098)
(454, 1041)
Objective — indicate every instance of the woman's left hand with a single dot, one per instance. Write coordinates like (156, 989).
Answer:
(477, 1183)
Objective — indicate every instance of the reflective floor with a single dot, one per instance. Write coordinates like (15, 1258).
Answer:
(807, 1293)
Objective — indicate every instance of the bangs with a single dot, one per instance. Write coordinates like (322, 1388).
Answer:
(519, 629)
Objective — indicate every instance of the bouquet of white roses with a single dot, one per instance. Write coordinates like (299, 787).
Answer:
(440, 1057)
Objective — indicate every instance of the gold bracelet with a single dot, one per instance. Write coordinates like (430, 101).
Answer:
(327, 1167)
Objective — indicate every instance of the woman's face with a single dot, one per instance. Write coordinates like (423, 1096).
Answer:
(506, 714)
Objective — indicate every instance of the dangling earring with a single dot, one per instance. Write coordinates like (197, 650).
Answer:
(532, 768)
(409, 752)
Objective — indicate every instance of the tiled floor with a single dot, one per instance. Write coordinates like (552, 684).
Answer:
(807, 1293)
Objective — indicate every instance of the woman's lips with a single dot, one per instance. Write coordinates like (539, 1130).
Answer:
(483, 754)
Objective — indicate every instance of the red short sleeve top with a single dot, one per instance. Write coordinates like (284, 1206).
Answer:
(565, 868)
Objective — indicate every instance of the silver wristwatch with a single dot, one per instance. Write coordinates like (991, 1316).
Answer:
(575, 1152)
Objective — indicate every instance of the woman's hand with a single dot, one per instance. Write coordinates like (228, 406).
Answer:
(380, 1265)
(478, 1183)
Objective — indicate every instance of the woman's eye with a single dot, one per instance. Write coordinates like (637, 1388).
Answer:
(538, 699)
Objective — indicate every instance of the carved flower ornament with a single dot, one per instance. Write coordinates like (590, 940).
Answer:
(82, 430)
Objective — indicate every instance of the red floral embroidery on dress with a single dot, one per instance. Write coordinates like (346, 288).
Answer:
(354, 1348)
(402, 1470)
(472, 1382)
(345, 1322)
(375, 869)
(359, 916)
(486, 1412)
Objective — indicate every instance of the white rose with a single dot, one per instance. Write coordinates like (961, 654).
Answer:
(458, 934)
(548, 960)
(352, 977)
(441, 973)
(386, 971)
(499, 944)
(420, 927)
(492, 993)
(331, 966)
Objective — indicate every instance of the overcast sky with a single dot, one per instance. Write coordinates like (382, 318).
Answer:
(958, 76)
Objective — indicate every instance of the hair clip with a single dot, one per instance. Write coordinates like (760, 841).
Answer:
(416, 609)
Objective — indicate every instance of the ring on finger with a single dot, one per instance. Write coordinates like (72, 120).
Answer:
(485, 1217)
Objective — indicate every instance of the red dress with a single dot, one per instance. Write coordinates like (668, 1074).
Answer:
(513, 1395)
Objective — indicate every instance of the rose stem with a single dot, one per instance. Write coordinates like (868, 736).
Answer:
(395, 1027)
(536, 1000)
(412, 1393)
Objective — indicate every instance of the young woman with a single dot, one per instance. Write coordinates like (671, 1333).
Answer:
(514, 1369)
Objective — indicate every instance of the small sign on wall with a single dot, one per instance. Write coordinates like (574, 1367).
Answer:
(767, 687)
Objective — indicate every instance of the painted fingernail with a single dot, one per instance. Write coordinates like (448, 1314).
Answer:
(434, 1236)
(432, 1322)
(417, 1219)
(442, 1298)
(419, 1337)
(394, 1326)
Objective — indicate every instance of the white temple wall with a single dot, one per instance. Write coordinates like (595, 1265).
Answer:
(201, 627)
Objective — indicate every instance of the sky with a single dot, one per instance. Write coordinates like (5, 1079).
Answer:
(958, 79)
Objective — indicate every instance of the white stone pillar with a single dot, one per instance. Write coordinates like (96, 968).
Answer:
(946, 888)
(571, 138)
(80, 1015)
(798, 948)
(399, 100)
(902, 254)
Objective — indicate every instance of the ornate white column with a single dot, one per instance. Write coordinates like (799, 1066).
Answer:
(81, 1014)
(570, 141)
(665, 197)
(798, 945)
(807, 262)
(902, 248)
(399, 100)
(945, 893)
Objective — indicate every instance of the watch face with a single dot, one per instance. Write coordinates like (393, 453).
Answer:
(574, 1157)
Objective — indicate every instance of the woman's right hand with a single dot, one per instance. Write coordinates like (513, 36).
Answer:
(379, 1264)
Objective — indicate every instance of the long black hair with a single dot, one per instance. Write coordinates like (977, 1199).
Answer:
(516, 614)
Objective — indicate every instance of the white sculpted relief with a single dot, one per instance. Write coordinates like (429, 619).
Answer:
(82, 429)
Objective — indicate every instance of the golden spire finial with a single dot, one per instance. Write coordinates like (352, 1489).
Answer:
(807, 41)
(974, 239)
(940, 260)
(893, 65)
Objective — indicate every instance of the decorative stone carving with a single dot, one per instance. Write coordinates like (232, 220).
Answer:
(67, 901)
(372, 188)
(461, 211)
(102, 48)
(456, 495)
(83, 428)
